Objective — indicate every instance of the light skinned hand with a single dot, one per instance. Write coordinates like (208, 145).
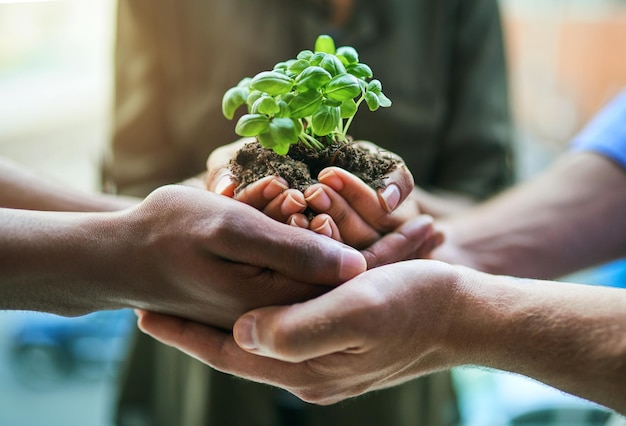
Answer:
(381, 328)
(349, 210)
(408, 319)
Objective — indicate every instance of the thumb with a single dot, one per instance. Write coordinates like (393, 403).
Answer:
(299, 332)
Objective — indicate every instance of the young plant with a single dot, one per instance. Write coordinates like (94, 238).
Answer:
(305, 99)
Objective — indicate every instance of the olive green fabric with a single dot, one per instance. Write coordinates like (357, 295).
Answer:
(441, 63)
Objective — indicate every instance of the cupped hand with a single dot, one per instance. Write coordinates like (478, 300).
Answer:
(271, 194)
(195, 254)
(351, 211)
(348, 209)
(384, 327)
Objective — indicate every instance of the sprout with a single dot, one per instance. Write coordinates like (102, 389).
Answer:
(301, 100)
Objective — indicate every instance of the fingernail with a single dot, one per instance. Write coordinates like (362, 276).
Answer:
(330, 178)
(298, 221)
(389, 198)
(352, 264)
(224, 182)
(274, 188)
(324, 229)
(319, 200)
(245, 333)
(290, 204)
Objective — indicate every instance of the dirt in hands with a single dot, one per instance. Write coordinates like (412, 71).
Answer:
(301, 166)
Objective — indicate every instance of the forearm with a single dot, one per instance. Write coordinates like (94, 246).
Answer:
(569, 218)
(22, 189)
(57, 262)
(570, 336)
(440, 204)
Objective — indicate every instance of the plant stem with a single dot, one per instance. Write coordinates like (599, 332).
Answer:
(347, 126)
(310, 141)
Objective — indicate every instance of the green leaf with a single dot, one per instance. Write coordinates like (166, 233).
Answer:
(233, 99)
(349, 53)
(325, 120)
(325, 43)
(305, 54)
(333, 65)
(272, 83)
(360, 70)
(266, 140)
(252, 125)
(298, 66)
(281, 67)
(313, 78)
(348, 108)
(317, 58)
(245, 82)
(385, 102)
(342, 87)
(298, 125)
(265, 105)
(283, 109)
(372, 101)
(283, 131)
(374, 86)
(305, 104)
(332, 102)
(287, 97)
(253, 97)
(281, 149)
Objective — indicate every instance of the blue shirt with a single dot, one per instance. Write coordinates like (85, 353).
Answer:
(606, 132)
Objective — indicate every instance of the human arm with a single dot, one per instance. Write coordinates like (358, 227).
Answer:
(568, 218)
(182, 251)
(397, 322)
(148, 255)
(21, 188)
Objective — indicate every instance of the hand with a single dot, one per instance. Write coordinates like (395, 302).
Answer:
(271, 195)
(383, 327)
(202, 256)
(350, 211)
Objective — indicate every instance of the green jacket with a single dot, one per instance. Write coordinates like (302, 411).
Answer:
(441, 63)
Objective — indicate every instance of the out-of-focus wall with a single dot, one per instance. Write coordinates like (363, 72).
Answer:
(55, 86)
(566, 59)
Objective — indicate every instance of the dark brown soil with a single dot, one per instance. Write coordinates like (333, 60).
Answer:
(301, 165)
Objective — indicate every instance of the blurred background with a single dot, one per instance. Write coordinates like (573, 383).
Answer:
(566, 59)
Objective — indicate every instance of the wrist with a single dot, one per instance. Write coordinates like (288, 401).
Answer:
(478, 313)
(55, 262)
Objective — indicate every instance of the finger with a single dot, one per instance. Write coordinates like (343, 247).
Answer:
(299, 221)
(301, 332)
(221, 182)
(400, 176)
(215, 348)
(434, 241)
(247, 236)
(285, 204)
(402, 244)
(323, 224)
(354, 230)
(217, 165)
(399, 181)
(260, 193)
(399, 186)
(365, 200)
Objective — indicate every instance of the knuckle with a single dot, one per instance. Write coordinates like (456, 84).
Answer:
(283, 341)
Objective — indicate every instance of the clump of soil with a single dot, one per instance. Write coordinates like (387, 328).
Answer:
(301, 165)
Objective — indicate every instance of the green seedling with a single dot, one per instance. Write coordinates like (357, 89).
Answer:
(311, 99)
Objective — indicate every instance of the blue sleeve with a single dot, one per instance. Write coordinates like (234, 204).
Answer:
(606, 132)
